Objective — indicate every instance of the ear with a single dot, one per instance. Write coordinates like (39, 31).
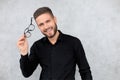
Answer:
(55, 19)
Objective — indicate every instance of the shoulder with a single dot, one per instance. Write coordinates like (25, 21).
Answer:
(72, 41)
(71, 38)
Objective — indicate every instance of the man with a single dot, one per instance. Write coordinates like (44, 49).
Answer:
(57, 53)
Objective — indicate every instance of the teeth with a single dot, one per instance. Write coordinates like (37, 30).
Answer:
(49, 29)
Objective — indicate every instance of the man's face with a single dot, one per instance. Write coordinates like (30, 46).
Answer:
(47, 24)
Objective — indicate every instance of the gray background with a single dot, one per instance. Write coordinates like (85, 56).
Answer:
(95, 22)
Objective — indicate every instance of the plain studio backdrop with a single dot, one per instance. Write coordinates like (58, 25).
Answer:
(95, 22)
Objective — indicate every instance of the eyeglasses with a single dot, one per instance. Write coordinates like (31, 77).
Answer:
(27, 31)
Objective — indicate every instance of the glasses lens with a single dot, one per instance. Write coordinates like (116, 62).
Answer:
(27, 34)
(31, 27)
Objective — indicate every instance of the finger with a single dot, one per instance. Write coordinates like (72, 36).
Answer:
(22, 38)
(20, 43)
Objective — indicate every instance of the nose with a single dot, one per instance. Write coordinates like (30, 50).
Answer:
(46, 25)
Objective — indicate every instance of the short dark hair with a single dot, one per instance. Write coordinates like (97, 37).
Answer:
(42, 10)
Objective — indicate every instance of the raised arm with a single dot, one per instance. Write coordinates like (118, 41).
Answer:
(28, 63)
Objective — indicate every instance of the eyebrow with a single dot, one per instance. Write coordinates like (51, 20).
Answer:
(45, 22)
(40, 24)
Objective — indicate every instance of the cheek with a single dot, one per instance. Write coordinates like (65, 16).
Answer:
(52, 24)
(41, 29)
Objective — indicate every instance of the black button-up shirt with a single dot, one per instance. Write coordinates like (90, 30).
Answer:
(58, 61)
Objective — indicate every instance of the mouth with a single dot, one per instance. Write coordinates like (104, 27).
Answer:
(48, 30)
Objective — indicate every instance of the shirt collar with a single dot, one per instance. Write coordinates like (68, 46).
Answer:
(60, 35)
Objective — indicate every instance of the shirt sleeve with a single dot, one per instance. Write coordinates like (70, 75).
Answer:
(28, 63)
(82, 62)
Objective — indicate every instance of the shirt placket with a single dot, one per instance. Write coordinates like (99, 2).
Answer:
(52, 62)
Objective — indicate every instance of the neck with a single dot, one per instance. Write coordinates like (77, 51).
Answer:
(54, 38)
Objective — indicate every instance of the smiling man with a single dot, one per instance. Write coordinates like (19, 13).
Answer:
(57, 53)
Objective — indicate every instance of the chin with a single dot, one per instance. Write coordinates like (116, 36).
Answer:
(51, 36)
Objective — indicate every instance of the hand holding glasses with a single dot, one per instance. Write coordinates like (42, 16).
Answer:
(27, 31)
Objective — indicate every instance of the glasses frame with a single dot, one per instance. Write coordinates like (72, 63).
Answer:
(27, 31)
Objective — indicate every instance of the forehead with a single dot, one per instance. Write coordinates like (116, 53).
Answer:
(44, 17)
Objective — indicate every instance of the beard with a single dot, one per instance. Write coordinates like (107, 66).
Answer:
(54, 32)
